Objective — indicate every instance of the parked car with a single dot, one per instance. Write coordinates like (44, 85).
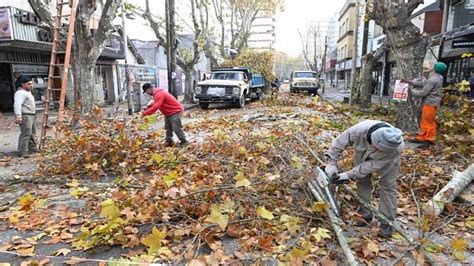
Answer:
(230, 85)
(304, 81)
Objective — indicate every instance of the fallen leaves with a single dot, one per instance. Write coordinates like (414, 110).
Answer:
(216, 217)
(264, 213)
(241, 180)
(154, 240)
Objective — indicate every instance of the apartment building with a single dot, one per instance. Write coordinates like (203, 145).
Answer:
(345, 43)
(262, 33)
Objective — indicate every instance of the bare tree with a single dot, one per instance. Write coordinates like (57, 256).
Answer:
(89, 45)
(186, 58)
(408, 46)
(311, 35)
(242, 14)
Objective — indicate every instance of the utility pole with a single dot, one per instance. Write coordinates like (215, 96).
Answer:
(354, 55)
(171, 51)
(365, 38)
(323, 69)
(127, 74)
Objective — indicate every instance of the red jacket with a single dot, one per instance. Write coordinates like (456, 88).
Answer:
(165, 102)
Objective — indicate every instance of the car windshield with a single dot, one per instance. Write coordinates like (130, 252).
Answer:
(228, 76)
(304, 75)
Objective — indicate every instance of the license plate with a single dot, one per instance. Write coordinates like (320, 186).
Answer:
(216, 91)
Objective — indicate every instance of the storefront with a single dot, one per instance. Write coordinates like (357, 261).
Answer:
(24, 49)
(457, 51)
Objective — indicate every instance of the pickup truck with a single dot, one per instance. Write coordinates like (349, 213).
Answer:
(304, 81)
(230, 85)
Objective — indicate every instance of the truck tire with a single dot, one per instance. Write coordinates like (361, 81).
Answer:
(291, 89)
(204, 106)
(241, 102)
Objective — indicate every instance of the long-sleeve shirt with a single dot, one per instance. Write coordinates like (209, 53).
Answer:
(24, 103)
(372, 160)
(165, 102)
(429, 90)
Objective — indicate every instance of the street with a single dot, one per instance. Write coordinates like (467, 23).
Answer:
(225, 132)
(236, 132)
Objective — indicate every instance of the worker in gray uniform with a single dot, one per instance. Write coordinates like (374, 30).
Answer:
(377, 147)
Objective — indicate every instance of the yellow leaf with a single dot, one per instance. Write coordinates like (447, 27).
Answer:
(296, 163)
(26, 252)
(157, 158)
(242, 150)
(320, 234)
(170, 178)
(228, 206)
(14, 218)
(153, 240)
(459, 255)
(433, 247)
(472, 132)
(241, 180)
(216, 217)
(63, 251)
(459, 244)
(264, 213)
(109, 209)
(26, 201)
(320, 206)
(470, 222)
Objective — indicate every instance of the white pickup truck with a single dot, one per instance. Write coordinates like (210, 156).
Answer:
(304, 81)
(230, 85)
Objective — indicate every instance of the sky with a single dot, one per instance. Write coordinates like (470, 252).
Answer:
(297, 15)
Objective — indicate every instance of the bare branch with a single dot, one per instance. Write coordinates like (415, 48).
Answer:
(412, 5)
(43, 11)
(109, 11)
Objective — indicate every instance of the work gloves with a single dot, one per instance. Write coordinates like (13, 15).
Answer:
(331, 169)
(341, 178)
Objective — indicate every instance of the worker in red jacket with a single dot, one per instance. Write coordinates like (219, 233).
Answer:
(170, 108)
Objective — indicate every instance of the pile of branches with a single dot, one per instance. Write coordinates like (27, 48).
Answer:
(244, 183)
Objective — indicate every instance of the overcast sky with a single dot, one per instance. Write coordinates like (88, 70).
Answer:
(297, 15)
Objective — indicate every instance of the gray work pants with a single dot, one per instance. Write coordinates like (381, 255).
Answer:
(173, 124)
(388, 188)
(26, 141)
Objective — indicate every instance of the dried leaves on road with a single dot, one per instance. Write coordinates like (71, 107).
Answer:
(235, 194)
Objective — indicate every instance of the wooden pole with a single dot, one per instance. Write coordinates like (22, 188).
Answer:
(354, 55)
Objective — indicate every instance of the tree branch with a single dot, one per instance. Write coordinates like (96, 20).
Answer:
(42, 10)
(105, 27)
(412, 5)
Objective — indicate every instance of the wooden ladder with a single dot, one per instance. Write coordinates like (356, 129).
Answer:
(63, 38)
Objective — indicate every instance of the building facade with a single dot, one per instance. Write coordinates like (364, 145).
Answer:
(345, 43)
(262, 32)
(457, 40)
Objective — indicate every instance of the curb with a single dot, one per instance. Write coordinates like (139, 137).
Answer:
(190, 107)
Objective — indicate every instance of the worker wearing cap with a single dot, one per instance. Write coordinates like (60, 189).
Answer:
(377, 148)
(430, 92)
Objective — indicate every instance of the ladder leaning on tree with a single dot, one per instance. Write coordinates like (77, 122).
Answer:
(63, 37)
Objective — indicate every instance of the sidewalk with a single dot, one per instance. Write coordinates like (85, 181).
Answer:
(9, 131)
(338, 95)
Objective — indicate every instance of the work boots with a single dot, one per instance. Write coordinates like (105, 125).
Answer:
(364, 221)
(385, 231)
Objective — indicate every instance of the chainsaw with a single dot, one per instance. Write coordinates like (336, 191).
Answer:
(323, 181)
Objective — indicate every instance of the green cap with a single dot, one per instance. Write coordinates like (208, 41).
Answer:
(440, 67)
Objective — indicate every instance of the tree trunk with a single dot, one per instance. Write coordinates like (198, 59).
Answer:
(188, 89)
(449, 192)
(408, 46)
(87, 91)
(364, 93)
(410, 63)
